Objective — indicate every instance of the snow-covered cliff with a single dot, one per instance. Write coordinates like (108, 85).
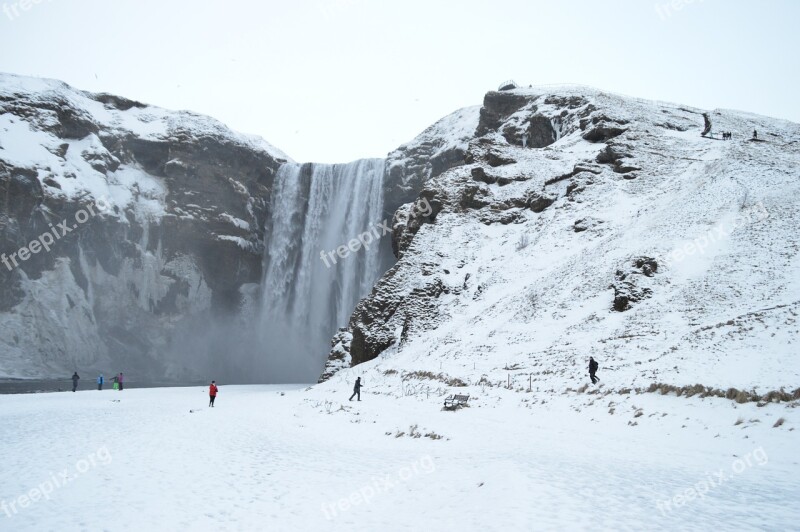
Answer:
(155, 221)
(581, 224)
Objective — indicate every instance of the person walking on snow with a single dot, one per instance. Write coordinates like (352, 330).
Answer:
(212, 393)
(120, 379)
(593, 369)
(100, 381)
(755, 134)
(75, 379)
(356, 389)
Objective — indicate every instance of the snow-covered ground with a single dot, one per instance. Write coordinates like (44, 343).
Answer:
(295, 458)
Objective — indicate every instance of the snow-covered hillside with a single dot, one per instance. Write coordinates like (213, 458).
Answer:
(625, 235)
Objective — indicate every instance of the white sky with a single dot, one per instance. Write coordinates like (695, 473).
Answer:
(336, 80)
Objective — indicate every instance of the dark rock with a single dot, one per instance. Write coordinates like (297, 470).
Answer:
(479, 174)
(539, 131)
(496, 159)
(624, 169)
(497, 107)
(579, 183)
(601, 128)
(613, 153)
(474, 196)
(629, 287)
(539, 201)
(444, 161)
(116, 102)
(50, 182)
(501, 216)
(647, 265)
(585, 224)
(603, 132)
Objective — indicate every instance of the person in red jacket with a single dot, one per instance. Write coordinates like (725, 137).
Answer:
(212, 393)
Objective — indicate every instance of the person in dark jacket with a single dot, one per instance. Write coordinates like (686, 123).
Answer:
(75, 379)
(593, 369)
(120, 380)
(357, 389)
(212, 393)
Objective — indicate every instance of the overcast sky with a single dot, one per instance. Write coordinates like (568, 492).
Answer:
(337, 80)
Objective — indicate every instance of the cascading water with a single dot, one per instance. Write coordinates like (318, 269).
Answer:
(316, 209)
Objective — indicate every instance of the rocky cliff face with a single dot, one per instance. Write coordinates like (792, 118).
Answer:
(179, 242)
(581, 223)
(437, 149)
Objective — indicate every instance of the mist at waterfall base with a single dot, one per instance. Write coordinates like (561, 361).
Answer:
(303, 300)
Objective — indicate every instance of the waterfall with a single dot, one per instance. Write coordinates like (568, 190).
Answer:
(315, 210)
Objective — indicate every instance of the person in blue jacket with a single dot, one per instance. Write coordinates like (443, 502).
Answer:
(100, 381)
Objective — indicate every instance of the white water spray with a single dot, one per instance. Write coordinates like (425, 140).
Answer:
(316, 208)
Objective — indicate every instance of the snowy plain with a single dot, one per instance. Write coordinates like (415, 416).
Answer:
(305, 458)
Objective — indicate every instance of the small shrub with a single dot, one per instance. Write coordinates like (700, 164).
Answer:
(441, 377)
(742, 397)
(695, 390)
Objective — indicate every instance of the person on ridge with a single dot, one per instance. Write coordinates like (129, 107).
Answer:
(120, 379)
(75, 379)
(100, 381)
(356, 389)
(212, 393)
(593, 369)
(755, 134)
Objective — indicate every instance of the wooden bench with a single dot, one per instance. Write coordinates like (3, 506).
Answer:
(453, 402)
